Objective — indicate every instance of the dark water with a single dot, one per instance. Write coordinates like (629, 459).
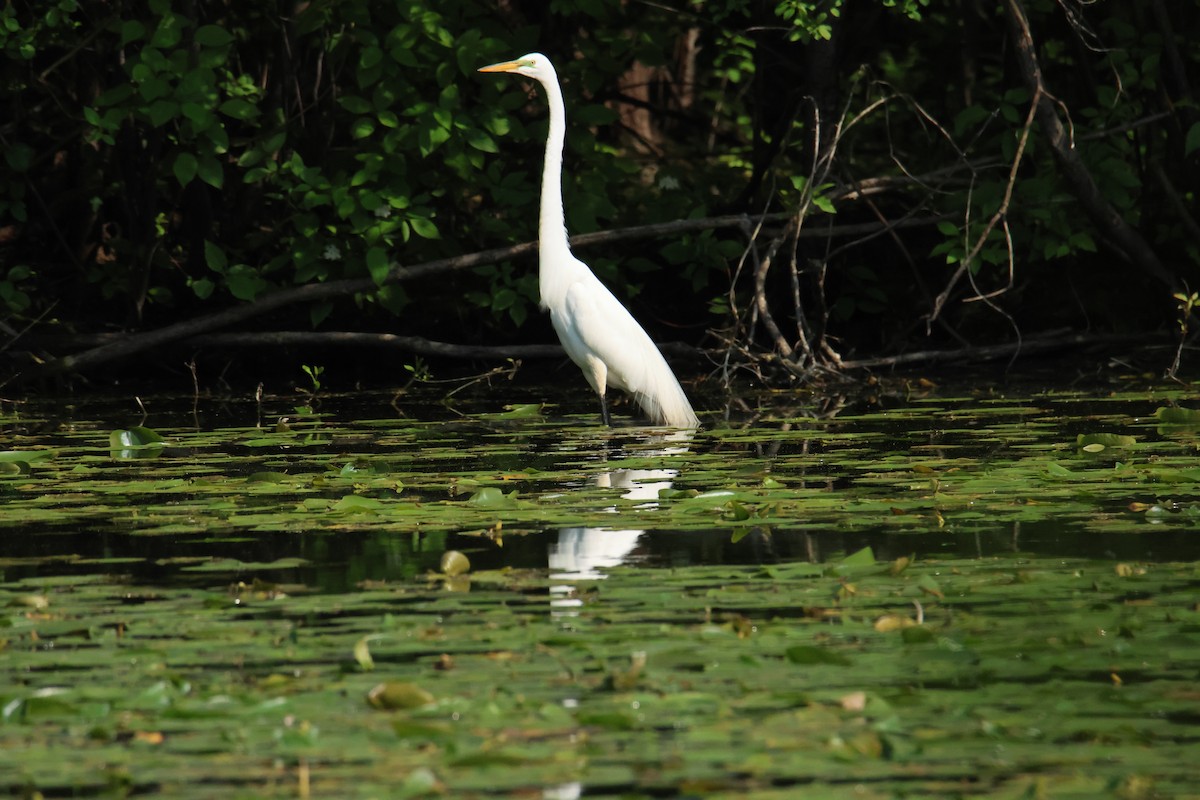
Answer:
(454, 441)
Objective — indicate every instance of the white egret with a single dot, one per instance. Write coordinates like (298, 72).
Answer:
(597, 332)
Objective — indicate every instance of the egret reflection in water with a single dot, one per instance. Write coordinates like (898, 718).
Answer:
(581, 554)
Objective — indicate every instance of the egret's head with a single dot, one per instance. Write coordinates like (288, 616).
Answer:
(531, 65)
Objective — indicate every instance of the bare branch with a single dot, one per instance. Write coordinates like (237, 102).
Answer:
(1128, 242)
(417, 345)
(226, 318)
(997, 216)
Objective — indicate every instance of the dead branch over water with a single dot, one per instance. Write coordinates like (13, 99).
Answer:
(125, 346)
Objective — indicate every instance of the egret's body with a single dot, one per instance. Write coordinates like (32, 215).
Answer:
(597, 332)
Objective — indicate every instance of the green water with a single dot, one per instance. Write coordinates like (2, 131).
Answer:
(935, 594)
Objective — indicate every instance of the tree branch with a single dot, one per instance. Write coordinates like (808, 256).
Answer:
(205, 323)
(409, 344)
(1128, 241)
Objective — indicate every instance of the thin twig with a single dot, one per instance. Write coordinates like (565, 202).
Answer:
(997, 216)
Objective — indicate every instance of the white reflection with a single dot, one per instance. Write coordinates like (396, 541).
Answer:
(581, 554)
(564, 791)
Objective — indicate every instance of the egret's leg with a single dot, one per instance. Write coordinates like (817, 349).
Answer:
(604, 415)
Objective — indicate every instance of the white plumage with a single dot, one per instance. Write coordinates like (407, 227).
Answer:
(597, 332)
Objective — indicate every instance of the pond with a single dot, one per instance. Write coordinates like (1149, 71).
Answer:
(917, 592)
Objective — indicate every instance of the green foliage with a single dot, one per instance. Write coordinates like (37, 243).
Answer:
(161, 159)
(211, 169)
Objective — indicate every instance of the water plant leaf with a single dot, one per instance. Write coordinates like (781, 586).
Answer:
(736, 512)
(454, 563)
(1174, 415)
(362, 654)
(518, 411)
(855, 563)
(893, 622)
(210, 620)
(137, 436)
(39, 602)
(423, 731)
(358, 504)
(268, 476)
(1055, 470)
(393, 695)
(1098, 442)
(25, 456)
(491, 497)
(864, 557)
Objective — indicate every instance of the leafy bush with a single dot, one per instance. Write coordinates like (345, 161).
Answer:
(161, 158)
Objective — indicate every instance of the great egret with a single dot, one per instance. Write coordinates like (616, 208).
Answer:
(597, 332)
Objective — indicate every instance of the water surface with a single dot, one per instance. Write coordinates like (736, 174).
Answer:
(926, 593)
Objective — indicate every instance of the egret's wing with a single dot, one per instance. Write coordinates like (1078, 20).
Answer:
(607, 332)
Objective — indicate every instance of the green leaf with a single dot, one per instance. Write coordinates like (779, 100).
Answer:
(132, 30)
(357, 504)
(481, 141)
(1096, 442)
(213, 36)
(1192, 141)
(370, 57)
(26, 455)
(199, 114)
(19, 156)
(378, 264)
(1055, 470)
(268, 476)
(491, 497)
(154, 87)
(423, 227)
(239, 108)
(397, 695)
(1173, 415)
(184, 168)
(202, 287)
(454, 563)
(210, 171)
(860, 558)
(354, 104)
(824, 204)
(244, 282)
(161, 112)
(362, 654)
(214, 257)
(518, 411)
(736, 511)
(134, 437)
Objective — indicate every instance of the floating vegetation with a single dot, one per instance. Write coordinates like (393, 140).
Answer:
(951, 597)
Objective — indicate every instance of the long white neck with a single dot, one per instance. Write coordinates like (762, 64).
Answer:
(552, 233)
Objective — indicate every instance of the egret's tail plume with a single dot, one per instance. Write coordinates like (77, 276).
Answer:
(668, 406)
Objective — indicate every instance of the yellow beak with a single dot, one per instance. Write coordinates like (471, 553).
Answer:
(503, 66)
